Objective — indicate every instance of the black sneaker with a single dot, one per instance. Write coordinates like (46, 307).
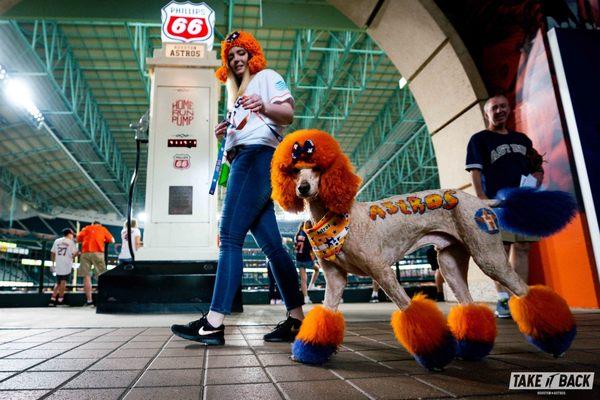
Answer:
(52, 303)
(201, 331)
(285, 331)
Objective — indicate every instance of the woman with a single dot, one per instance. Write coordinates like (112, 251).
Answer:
(260, 106)
(136, 241)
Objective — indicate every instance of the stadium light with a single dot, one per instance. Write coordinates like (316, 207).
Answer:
(402, 82)
(18, 92)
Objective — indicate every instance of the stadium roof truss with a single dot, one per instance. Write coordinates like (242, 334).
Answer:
(87, 71)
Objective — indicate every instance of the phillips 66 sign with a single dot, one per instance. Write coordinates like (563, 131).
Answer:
(188, 22)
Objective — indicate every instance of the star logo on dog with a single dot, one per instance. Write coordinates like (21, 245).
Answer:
(487, 221)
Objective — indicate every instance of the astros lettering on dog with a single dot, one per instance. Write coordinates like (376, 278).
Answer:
(414, 205)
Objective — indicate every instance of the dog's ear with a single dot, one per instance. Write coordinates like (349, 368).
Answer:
(338, 185)
(284, 187)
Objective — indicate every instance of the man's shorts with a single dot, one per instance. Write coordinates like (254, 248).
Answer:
(509, 237)
(304, 264)
(87, 260)
(65, 278)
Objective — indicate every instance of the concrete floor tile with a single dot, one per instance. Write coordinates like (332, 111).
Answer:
(132, 353)
(179, 393)
(263, 391)
(195, 351)
(269, 360)
(177, 363)
(299, 373)
(171, 377)
(77, 353)
(406, 366)
(111, 364)
(321, 390)
(65, 364)
(103, 379)
(397, 387)
(228, 350)
(100, 346)
(4, 353)
(465, 386)
(347, 356)
(219, 376)
(232, 361)
(32, 353)
(86, 394)
(16, 364)
(151, 338)
(362, 370)
(17, 346)
(64, 346)
(142, 345)
(22, 394)
(36, 380)
(386, 354)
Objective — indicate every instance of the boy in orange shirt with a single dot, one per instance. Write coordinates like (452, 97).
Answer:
(93, 238)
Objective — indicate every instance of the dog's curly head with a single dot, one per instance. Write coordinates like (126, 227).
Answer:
(310, 163)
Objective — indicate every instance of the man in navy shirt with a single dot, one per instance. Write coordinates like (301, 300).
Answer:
(496, 159)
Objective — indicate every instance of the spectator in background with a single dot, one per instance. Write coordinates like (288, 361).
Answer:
(499, 158)
(304, 259)
(431, 254)
(136, 241)
(274, 296)
(94, 238)
(375, 293)
(62, 253)
(315, 275)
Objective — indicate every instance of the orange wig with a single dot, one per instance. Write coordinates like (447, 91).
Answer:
(338, 184)
(245, 40)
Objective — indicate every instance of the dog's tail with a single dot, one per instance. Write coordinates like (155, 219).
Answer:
(533, 212)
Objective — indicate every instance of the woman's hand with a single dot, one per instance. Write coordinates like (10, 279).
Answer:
(220, 130)
(254, 103)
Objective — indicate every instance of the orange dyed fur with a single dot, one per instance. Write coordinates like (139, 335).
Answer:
(421, 328)
(474, 322)
(541, 311)
(323, 327)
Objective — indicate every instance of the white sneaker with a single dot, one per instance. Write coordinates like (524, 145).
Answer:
(307, 300)
(278, 301)
(272, 301)
(311, 287)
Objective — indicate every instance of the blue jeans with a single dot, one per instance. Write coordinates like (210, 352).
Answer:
(248, 207)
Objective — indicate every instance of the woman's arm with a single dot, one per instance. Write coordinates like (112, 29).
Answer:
(477, 184)
(138, 242)
(280, 113)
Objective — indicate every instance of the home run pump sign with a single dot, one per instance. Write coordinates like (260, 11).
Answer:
(188, 23)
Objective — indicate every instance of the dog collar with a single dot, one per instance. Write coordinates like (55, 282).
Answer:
(328, 235)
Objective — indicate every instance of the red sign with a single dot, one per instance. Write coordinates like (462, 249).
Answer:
(182, 112)
(188, 28)
(181, 161)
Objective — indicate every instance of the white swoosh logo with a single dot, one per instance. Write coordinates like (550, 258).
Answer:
(202, 332)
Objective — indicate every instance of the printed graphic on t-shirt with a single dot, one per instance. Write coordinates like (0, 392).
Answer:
(505, 149)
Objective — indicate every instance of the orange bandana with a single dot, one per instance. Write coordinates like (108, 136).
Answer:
(328, 235)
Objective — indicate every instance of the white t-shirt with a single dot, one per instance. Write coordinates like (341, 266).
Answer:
(125, 253)
(250, 128)
(63, 250)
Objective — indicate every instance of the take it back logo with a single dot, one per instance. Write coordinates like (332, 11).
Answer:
(551, 381)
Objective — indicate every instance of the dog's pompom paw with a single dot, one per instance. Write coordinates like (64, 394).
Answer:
(474, 328)
(308, 353)
(422, 329)
(545, 319)
(321, 333)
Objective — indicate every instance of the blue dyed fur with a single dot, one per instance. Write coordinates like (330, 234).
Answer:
(555, 345)
(533, 212)
(437, 360)
(311, 353)
(473, 351)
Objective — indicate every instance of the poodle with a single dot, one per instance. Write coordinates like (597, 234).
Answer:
(310, 171)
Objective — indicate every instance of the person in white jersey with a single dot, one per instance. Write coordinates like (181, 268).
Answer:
(136, 241)
(260, 107)
(63, 251)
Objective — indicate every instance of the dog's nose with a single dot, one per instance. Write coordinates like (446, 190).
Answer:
(304, 188)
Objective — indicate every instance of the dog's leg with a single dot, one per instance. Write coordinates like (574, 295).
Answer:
(419, 325)
(540, 313)
(322, 330)
(473, 325)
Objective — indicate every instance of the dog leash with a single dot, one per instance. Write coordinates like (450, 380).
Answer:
(218, 165)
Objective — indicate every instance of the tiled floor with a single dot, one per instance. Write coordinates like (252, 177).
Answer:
(150, 363)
